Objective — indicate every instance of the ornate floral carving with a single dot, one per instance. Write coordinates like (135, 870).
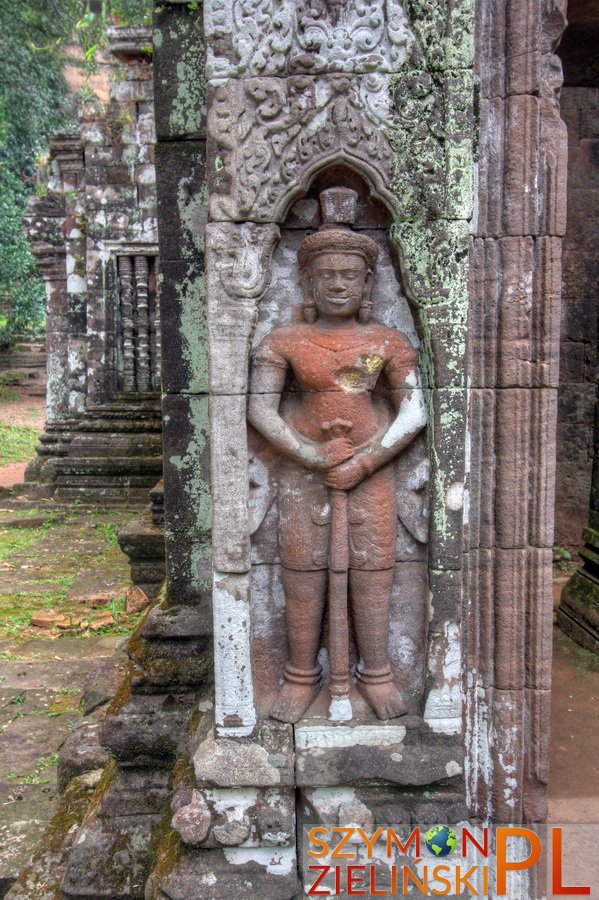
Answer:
(242, 257)
(239, 263)
(267, 133)
(272, 37)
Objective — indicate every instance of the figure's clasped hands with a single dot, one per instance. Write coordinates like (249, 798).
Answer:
(327, 455)
(346, 475)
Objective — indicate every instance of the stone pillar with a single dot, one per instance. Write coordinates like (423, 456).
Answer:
(50, 223)
(514, 352)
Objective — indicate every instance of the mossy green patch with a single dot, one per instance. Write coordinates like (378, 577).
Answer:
(17, 443)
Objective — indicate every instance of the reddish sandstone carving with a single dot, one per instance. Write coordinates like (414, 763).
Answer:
(336, 486)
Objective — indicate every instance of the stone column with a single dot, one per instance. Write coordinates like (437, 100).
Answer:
(514, 354)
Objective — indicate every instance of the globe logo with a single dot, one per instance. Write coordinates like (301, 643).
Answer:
(441, 840)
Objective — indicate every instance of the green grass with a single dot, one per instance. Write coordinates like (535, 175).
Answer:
(108, 532)
(8, 394)
(34, 777)
(17, 443)
(15, 540)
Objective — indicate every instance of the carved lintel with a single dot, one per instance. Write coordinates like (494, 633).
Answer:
(278, 37)
(271, 136)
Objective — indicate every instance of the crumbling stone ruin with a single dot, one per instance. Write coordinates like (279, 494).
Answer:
(361, 209)
(93, 231)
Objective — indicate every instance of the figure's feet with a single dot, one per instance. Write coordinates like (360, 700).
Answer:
(385, 699)
(293, 700)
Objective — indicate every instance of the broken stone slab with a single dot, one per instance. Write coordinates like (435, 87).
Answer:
(405, 753)
(254, 817)
(264, 760)
(136, 600)
(82, 751)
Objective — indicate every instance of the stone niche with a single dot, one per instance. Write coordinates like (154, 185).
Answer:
(279, 133)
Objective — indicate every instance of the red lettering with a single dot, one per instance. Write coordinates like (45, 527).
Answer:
(556, 868)
(324, 870)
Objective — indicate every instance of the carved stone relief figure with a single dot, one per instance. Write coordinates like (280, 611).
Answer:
(338, 438)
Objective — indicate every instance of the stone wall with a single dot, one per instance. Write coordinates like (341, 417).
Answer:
(580, 307)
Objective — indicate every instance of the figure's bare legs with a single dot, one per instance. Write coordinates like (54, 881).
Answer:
(370, 598)
(305, 594)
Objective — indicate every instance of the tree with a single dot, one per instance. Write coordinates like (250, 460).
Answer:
(34, 37)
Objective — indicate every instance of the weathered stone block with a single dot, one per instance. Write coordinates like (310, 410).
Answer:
(148, 730)
(81, 752)
(109, 862)
(401, 754)
(184, 331)
(187, 504)
(264, 760)
(182, 209)
(178, 71)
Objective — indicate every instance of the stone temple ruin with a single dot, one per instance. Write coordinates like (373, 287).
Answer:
(93, 231)
(92, 228)
(360, 218)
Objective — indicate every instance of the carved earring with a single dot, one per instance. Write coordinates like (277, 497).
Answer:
(365, 311)
(310, 313)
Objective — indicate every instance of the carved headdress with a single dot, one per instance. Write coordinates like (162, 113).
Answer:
(338, 206)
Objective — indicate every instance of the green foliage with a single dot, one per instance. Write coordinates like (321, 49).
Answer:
(562, 559)
(33, 102)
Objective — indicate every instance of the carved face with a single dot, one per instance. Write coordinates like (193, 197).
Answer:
(339, 283)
